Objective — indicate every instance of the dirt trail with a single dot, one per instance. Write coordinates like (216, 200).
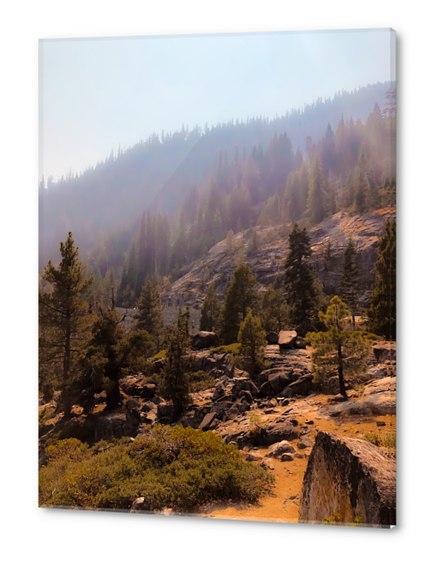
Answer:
(282, 504)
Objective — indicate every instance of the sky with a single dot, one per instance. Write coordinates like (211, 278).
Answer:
(98, 94)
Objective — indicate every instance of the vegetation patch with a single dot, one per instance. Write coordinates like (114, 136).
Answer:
(179, 468)
(387, 440)
(200, 381)
(232, 349)
(162, 353)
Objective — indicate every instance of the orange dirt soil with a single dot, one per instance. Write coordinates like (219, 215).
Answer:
(282, 504)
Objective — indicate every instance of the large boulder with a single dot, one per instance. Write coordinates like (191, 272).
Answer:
(203, 340)
(350, 477)
(278, 449)
(301, 387)
(287, 339)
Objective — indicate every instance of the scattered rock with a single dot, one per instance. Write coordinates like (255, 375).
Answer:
(305, 443)
(253, 457)
(286, 458)
(208, 419)
(300, 343)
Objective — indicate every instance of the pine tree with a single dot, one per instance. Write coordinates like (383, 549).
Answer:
(317, 194)
(349, 282)
(241, 296)
(63, 316)
(382, 311)
(229, 241)
(149, 313)
(175, 379)
(210, 311)
(338, 351)
(274, 311)
(111, 354)
(253, 341)
(299, 281)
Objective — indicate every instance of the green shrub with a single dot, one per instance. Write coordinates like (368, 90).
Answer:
(200, 381)
(173, 467)
(232, 349)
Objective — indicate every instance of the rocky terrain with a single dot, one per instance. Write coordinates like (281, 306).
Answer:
(267, 263)
(281, 420)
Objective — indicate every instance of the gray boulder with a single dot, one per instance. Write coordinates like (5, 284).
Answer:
(278, 449)
(204, 340)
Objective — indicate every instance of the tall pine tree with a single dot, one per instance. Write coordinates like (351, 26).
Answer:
(349, 282)
(382, 311)
(63, 316)
(241, 297)
(299, 281)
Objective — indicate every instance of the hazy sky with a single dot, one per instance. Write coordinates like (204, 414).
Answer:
(98, 93)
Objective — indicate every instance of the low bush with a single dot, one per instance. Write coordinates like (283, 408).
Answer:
(200, 381)
(232, 349)
(387, 440)
(173, 467)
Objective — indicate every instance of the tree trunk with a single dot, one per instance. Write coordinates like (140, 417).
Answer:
(340, 372)
(113, 397)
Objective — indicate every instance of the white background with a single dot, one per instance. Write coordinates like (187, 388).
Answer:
(31, 533)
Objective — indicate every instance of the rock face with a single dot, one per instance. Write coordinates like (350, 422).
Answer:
(351, 477)
(203, 340)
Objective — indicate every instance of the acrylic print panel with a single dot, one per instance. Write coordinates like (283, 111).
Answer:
(218, 274)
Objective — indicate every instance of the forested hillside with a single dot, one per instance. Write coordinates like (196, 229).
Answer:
(103, 204)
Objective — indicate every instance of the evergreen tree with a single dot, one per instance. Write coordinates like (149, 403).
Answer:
(111, 354)
(210, 311)
(229, 241)
(338, 350)
(317, 194)
(253, 341)
(241, 297)
(63, 316)
(175, 379)
(149, 314)
(254, 244)
(349, 282)
(299, 281)
(274, 310)
(382, 311)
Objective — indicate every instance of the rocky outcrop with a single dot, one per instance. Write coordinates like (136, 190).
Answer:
(379, 399)
(268, 262)
(351, 478)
